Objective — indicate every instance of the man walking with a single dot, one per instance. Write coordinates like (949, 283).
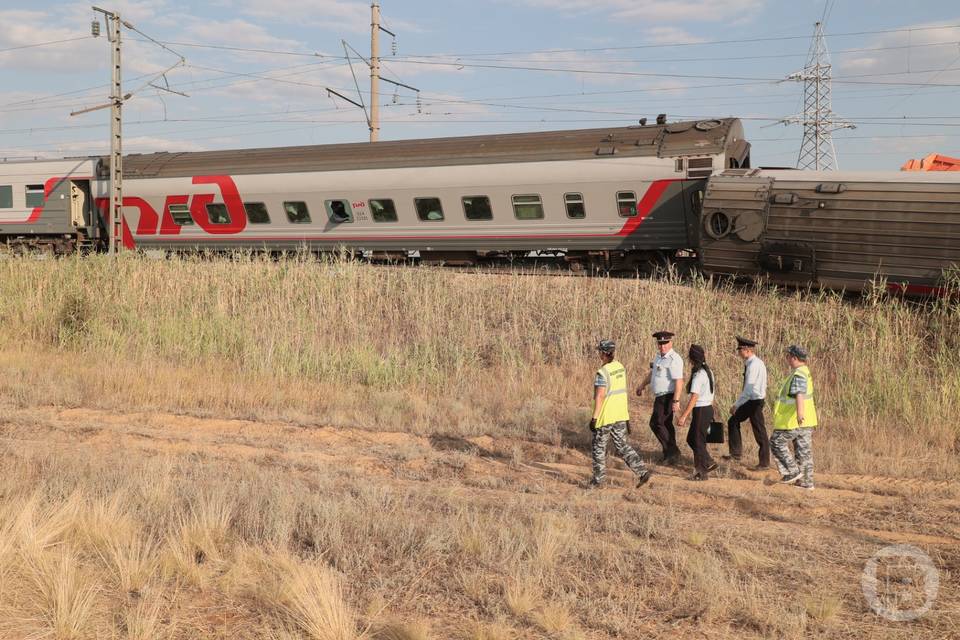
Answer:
(749, 406)
(666, 378)
(610, 416)
(794, 418)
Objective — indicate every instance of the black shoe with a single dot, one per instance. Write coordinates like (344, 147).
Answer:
(644, 478)
(672, 459)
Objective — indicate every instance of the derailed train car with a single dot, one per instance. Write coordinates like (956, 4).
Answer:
(623, 199)
(836, 230)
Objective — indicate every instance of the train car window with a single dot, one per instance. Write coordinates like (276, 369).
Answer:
(256, 212)
(627, 203)
(6, 196)
(696, 202)
(428, 209)
(383, 210)
(575, 206)
(181, 215)
(339, 211)
(34, 195)
(297, 212)
(528, 207)
(218, 213)
(678, 165)
(477, 208)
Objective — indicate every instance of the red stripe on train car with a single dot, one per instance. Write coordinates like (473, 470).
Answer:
(48, 187)
(644, 208)
(922, 290)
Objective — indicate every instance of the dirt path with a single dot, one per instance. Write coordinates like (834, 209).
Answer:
(752, 521)
(863, 508)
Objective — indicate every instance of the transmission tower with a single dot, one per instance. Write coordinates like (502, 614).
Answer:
(818, 119)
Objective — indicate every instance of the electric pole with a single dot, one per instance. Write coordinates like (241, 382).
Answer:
(116, 127)
(373, 114)
(116, 136)
(819, 121)
(375, 71)
(117, 98)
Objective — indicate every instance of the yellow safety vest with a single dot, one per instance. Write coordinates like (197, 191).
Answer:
(785, 408)
(615, 407)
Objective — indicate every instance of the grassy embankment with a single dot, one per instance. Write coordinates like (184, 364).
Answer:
(178, 545)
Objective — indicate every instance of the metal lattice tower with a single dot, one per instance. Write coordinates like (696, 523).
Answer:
(818, 119)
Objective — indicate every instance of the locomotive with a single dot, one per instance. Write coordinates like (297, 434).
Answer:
(623, 199)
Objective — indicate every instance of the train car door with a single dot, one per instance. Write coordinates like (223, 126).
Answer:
(57, 209)
(693, 191)
(83, 214)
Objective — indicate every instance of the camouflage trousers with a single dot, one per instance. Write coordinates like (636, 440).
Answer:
(802, 440)
(618, 432)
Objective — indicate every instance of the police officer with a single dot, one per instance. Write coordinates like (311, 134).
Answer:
(610, 416)
(666, 378)
(794, 418)
(750, 404)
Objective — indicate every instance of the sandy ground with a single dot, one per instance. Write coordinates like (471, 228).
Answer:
(865, 511)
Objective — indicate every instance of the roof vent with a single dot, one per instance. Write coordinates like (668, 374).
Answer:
(707, 125)
(831, 187)
(606, 149)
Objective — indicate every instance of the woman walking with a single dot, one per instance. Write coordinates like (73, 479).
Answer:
(700, 406)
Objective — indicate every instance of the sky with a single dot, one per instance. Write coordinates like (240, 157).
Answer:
(256, 73)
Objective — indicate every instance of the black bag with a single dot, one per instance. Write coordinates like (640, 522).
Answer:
(715, 432)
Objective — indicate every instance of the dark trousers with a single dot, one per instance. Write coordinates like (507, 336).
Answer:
(750, 410)
(661, 423)
(697, 439)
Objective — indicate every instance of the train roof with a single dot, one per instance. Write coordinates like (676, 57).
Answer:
(843, 176)
(702, 137)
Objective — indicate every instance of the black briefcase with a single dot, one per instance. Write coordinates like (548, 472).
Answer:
(715, 433)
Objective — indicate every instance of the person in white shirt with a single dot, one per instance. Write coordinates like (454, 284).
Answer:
(666, 379)
(700, 407)
(749, 406)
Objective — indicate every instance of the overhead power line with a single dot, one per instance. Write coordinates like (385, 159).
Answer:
(692, 44)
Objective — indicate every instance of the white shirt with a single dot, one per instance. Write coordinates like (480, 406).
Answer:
(754, 381)
(700, 385)
(665, 370)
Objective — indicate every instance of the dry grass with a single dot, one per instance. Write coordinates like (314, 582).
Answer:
(348, 344)
(424, 514)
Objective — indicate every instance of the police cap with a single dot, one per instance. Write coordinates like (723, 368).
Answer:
(745, 342)
(606, 346)
(798, 352)
(663, 337)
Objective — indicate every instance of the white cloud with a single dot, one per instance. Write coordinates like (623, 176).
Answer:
(670, 35)
(913, 52)
(337, 15)
(657, 10)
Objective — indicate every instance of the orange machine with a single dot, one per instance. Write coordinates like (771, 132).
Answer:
(933, 162)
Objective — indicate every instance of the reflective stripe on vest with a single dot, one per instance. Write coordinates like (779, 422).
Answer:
(785, 408)
(615, 405)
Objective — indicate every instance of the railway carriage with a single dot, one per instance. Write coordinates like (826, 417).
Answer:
(618, 199)
(836, 229)
(50, 204)
(621, 198)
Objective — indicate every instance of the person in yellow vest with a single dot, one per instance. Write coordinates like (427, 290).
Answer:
(794, 419)
(610, 416)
